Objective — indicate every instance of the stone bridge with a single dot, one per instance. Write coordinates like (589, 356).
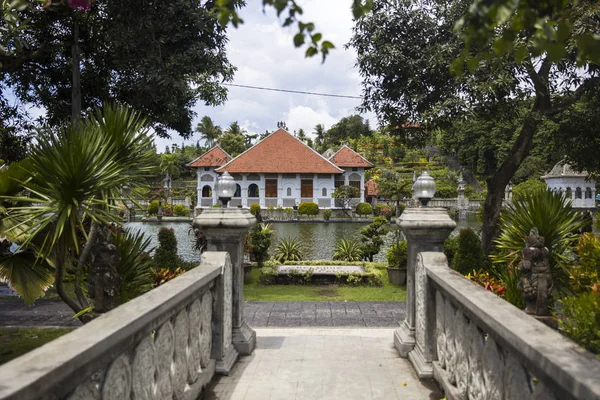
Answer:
(188, 339)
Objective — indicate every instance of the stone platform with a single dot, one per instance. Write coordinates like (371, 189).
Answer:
(331, 270)
(323, 364)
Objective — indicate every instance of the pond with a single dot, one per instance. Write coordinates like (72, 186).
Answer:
(318, 238)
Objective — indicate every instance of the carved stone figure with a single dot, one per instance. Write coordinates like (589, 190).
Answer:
(536, 280)
(104, 279)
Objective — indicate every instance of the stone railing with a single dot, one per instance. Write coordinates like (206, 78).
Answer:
(166, 344)
(453, 203)
(478, 346)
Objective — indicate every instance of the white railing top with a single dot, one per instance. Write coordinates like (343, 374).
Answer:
(59, 366)
(551, 357)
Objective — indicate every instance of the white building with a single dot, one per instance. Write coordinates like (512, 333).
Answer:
(576, 185)
(280, 171)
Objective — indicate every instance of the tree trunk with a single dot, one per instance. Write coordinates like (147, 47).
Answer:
(497, 183)
(59, 276)
(76, 71)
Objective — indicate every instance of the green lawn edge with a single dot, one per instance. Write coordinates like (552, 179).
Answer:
(14, 342)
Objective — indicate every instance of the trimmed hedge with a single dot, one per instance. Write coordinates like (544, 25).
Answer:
(255, 209)
(308, 208)
(371, 277)
(364, 209)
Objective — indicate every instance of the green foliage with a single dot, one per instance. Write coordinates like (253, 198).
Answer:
(289, 212)
(255, 209)
(344, 195)
(135, 269)
(152, 208)
(450, 248)
(556, 221)
(364, 209)
(580, 320)
(397, 255)
(587, 272)
(469, 255)
(288, 249)
(233, 144)
(308, 208)
(180, 210)
(510, 278)
(347, 250)
(327, 213)
(166, 253)
(27, 275)
(347, 128)
(393, 186)
(446, 192)
(527, 188)
(372, 237)
(259, 241)
(119, 62)
(16, 342)
(77, 173)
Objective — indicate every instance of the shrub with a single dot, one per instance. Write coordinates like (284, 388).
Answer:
(488, 282)
(289, 212)
(556, 221)
(166, 254)
(469, 255)
(364, 209)
(372, 237)
(587, 272)
(288, 249)
(308, 208)
(347, 250)
(401, 207)
(450, 247)
(581, 320)
(181, 211)
(135, 268)
(397, 255)
(152, 207)
(260, 238)
(446, 192)
(327, 213)
(255, 209)
(371, 277)
(164, 275)
(525, 189)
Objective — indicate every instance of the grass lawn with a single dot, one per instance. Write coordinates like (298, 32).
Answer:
(254, 291)
(16, 342)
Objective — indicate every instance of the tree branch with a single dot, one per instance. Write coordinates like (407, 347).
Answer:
(568, 101)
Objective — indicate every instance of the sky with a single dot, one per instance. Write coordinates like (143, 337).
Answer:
(265, 56)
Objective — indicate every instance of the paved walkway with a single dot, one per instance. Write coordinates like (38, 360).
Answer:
(322, 364)
(325, 314)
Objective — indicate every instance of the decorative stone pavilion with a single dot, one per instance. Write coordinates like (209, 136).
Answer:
(280, 171)
(576, 185)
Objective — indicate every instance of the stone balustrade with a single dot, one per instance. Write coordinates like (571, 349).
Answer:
(481, 347)
(165, 344)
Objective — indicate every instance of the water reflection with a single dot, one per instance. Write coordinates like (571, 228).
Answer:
(318, 238)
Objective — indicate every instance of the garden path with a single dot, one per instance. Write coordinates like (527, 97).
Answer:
(324, 314)
(323, 364)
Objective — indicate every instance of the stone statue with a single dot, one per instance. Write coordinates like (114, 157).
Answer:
(536, 280)
(104, 281)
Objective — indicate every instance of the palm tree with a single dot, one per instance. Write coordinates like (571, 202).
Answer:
(169, 165)
(235, 129)
(319, 136)
(209, 131)
(77, 174)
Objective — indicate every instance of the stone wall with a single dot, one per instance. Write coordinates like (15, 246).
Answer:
(167, 343)
(481, 347)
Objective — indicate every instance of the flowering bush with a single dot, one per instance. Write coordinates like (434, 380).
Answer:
(487, 281)
(164, 275)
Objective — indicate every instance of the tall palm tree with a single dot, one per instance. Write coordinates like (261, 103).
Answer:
(77, 174)
(169, 166)
(209, 131)
(236, 129)
(319, 135)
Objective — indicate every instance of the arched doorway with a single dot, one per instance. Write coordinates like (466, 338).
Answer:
(253, 190)
(206, 191)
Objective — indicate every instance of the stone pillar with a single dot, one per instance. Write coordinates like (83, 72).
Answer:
(425, 229)
(225, 230)
(362, 186)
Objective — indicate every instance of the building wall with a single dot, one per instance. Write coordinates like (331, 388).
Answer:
(288, 188)
(563, 182)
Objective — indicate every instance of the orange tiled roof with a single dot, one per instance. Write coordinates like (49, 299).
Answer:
(215, 157)
(346, 157)
(280, 152)
(371, 188)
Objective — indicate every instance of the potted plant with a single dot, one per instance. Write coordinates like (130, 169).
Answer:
(326, 214)
(397, 258)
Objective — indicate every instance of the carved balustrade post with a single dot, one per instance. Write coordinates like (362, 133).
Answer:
(225, 230)
(425, 229)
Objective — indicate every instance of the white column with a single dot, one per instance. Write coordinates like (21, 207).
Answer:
(362, 185)
(261, 191)
(315, 188)
(244, 189)
(280, 190)
(346, 182)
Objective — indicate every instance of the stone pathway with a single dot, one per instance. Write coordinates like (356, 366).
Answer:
(324, 314)
(323, 364)
(14, 313)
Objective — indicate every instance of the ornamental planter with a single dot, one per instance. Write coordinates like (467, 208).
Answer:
(397, 276)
